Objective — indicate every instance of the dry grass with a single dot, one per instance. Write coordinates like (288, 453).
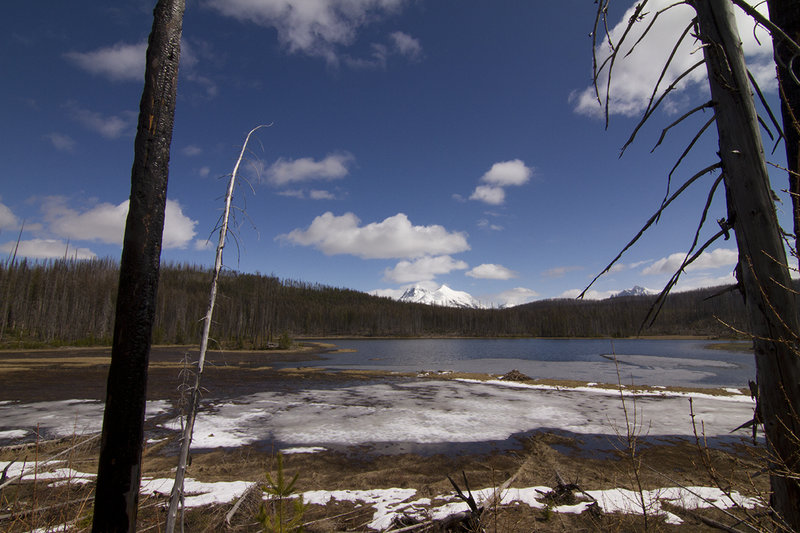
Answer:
(539, 460)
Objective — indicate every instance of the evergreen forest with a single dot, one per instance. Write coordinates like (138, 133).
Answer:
(68, 302)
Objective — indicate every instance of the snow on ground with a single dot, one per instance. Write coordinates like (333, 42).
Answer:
(197, 493)
(424, 411)
(435, 412)
(58, 419)
(387, 504)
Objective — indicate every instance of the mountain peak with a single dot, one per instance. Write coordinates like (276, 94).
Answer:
(443, 296)
(635, 291)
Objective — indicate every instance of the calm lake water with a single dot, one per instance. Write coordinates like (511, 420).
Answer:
(645, 362)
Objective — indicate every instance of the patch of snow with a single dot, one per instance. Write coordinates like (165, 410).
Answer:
(432, 412)
(392, 503)
(13, 433)
(387, 502)
(198, 493)
(19, 467)
(307, 449)
(57, 419)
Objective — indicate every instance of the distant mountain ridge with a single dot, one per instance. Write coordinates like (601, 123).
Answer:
(444, 296)
(635, 291)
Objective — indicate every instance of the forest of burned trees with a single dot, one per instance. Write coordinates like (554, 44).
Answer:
(72, 302)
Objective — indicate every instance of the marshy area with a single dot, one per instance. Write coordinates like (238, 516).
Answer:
(376, 451)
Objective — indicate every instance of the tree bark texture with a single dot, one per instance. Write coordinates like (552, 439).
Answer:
(786, 15)
(119, 469)
(762, 270)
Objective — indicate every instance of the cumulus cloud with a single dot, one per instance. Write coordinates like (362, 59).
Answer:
(118, 62)
(8, 220)
(422, 269)
(491, 271)
(317, 28)
(332, 167)
(689, 283)
(393, 238)
(590, 294)
(61, 142)
(46, 249)
(204, 245)
(502, 174)
(315, 194)
(635, 76)
(506, 173)
(516, 296)
(406, 45)
(109, 126)
(721, 257)
(488, 194)
(105, 222)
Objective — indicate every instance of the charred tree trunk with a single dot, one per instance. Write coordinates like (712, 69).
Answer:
(763, 273)
(786, 15)
(119, 470)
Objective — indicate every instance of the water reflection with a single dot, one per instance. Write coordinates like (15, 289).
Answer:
(643, 361)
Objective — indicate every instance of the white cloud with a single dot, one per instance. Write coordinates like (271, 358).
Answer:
(315, 194)
(491, 271)
(422, 269)
(191, 150)
(516, 296)
(394, 294)
(393, 238)
(119, 62)
(204, 245)
(111, 127)
(178, 228)
(506, 173)
(61, 142)
(8, 220)
(721, 257)
(502, 174)
(490, 195)
(105, 223)
(406, 45)
(204, 171)
(590, 294)
(46, 249)
(332, 167)
(293, 193)
(635, 76)
(314, 27)
(484, 223)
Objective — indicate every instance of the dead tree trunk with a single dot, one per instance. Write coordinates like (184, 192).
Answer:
(762, 270)
(119, 469)
(786, 15)
(176, 496)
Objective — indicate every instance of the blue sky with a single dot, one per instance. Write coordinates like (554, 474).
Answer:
(412, 142)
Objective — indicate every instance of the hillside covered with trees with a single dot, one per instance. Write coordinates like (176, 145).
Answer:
(73, 302)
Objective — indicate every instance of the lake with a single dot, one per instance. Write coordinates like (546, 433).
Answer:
(640, 361)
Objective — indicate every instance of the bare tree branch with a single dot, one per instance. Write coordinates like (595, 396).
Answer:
(650, 222)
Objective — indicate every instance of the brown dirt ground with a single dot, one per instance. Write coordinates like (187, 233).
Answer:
(537, 460)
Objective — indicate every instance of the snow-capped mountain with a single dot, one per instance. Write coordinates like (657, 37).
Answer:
(443, 296)
(635, 291)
